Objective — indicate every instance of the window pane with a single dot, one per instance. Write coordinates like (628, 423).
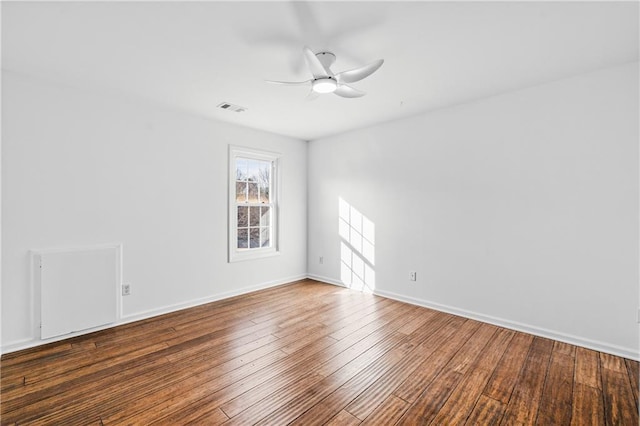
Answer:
(254, 216)
(253, 192)
(253, 170)
(264, 194)
(241, 169)
(265, 216)
(243, 216)
(254, 237)
(242, 238)
(264, 236)
(241, 192)
(264, 179)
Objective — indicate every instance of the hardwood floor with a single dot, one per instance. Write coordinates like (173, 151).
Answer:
(311, 353)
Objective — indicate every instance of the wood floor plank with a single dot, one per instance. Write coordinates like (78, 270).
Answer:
(336, 371)
(557, 395)
(468, 353)
(277, 379)
(81, 398)
(176, 376)
(486, 412)
(613, 363)
(465, 396)
(632, 369)
(426, 408)
(230, 376)
(419, 321)
(387, 326)
(311, 353)
(505, 375)
(525, 400)
(244, 393)
(192, 389)
(33, 364)
(364, 321)
(414, 385)
(564, 348)
(212, 418)
(37, 380)
(587, 368)
(204, 353)
(587, 407)
(57, 390)
(619, 404)
(388, 412)
(353, 306)
(276, 400)
(224, 368)
(337, 400)
(264, 387)
(435, 334)
(294, 378)
(344, 419)
(286, 409)
(40, 354)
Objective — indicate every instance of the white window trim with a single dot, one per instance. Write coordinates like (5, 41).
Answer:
(235, 254)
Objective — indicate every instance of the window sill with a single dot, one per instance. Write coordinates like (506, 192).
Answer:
(240, 256)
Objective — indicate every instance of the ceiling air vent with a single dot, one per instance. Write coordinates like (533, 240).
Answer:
(231, 107)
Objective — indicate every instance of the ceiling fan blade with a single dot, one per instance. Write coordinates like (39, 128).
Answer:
(315, 66)
(348, 92)
(290, 83)
(357, 74)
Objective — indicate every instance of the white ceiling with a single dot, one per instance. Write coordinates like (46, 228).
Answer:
(195, 55)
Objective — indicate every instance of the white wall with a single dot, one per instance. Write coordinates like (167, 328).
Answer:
(521, 209)
(82, 168)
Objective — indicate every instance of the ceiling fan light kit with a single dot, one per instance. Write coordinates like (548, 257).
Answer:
(325, 81)
(324, 85)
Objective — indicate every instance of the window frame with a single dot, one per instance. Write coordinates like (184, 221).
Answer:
(236, 254)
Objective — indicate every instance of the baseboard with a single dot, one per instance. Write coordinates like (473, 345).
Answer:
(126, 319)
(325, 280)
(513, 325)
(501, 322)
(202, 301)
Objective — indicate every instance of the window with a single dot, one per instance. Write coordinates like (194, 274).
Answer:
(252, 203)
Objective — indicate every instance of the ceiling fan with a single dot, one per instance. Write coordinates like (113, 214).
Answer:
(325, 81)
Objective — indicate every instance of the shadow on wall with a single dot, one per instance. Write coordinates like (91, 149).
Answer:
(357, 248)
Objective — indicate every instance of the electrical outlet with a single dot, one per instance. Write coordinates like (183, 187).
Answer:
(126, 289)
(321, 260)
(412, 276)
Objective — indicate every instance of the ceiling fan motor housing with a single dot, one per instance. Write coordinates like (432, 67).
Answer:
(326, 59)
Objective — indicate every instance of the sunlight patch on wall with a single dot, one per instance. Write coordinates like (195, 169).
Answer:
(357, 248)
